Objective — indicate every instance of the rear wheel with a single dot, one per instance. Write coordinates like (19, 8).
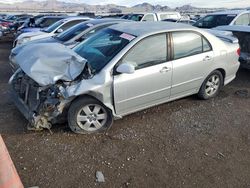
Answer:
(88, 115)
(211, 86)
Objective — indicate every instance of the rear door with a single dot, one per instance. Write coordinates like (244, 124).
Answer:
(192, 56)
(150, 84)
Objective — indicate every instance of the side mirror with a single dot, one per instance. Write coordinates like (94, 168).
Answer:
(59, 30)
(125, 68)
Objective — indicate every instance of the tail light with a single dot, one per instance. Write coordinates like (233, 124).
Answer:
(238, 51)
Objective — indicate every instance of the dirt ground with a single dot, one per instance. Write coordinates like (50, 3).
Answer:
(186, 143)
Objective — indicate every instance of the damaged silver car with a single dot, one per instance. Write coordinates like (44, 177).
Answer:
(119, 70)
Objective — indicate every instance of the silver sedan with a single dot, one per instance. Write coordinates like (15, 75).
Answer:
(122, 69)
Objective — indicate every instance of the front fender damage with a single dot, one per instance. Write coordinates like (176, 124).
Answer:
(44, 106)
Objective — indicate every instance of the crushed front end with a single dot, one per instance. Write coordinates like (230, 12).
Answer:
(41, 105)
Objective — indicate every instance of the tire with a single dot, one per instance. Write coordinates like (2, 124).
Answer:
(87, 115)
(211, 86)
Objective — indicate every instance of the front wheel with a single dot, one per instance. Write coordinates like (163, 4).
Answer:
(87, 115)
(211, 86)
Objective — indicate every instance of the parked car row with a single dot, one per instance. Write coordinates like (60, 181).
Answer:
(89, 72)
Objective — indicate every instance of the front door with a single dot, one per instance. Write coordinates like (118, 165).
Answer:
(150, 84)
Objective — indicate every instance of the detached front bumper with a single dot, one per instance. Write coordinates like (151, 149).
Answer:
(20, 104)
(37, 105)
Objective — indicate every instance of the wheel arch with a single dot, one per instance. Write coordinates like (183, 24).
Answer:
(223, 72)
(100, 98)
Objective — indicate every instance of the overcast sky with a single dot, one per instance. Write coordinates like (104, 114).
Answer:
(171, 3)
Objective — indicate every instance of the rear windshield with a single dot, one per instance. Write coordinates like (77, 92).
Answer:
(72, 32)
(211, 21)
(134, 17)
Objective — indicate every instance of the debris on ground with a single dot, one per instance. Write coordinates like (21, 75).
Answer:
(242, 93)
(99, 177)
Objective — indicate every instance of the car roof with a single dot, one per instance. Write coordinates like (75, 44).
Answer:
(76, 18)
(154, 12)
(144, 28)
(54, 16)
(229, 12)
(106, 20)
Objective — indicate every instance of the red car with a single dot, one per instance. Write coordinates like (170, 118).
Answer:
(4, 25)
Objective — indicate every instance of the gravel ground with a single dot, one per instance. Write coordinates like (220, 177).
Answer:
(185, 143)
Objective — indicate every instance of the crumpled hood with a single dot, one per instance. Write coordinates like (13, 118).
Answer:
(19, 48)
(47, 63)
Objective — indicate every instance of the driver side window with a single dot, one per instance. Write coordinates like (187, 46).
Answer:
(148, 52)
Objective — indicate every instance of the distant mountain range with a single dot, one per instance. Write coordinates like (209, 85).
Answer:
(54, 5)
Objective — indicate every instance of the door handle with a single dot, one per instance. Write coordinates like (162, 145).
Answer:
(165, 69)
(207, 58)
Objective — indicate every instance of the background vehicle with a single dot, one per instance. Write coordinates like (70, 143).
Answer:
(111, 79)
(40, 23)
(183, 21)
(152, 16)
(52, 30)
(3, 16)
(5, 25)
(232, 17)
(71, 37)
(243, 35)
(18, 22)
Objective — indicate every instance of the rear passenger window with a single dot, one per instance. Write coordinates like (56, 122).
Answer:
(188, 43)
(150, 51)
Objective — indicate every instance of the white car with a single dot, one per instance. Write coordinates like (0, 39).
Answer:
(53, 30)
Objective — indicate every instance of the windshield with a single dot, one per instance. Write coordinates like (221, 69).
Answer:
(72, 32)
(53, 26)
(211, 21)
(102, 47)
(134, 17)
